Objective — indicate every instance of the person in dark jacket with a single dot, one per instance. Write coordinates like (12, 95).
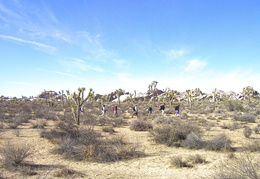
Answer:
(177, 110)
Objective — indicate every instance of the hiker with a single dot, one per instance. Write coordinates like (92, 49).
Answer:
(162, 108)
(177, 110)
(115, 110)
(135, 111)
(149, 110)
(103, 111)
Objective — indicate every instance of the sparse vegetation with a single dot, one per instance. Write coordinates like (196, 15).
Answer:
(220, 127)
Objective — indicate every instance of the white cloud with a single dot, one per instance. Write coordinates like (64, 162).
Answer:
(176, 54)
(195, 65)
(37, 44)
(80, 64)
(121, 63)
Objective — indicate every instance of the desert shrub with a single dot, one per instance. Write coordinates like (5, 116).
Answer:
(163, 120)
(243, 167)
(257, 112)
(26, 108)
(252, 146)
(67, 148)
(231, 155)
(219, 142)
(108, 130)
(247, 132)
(193, 141)
(39, 114)
(14, 154)
(245, 118)
(118, 122)
(233, 105)
(69, 129)
(16, 132)
(1, 125)
(230, 126)
(39, 124)
(178, 162)
(89, 122)
(67, 173)
(173, 134)
(128, 151)
(140, 125)
(196, 159)
(13, 123)
(183, 115)
(256, 129)
(118, 140)
(52, 135)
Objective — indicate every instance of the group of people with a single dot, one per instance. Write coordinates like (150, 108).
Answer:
(104, 110)
(135, 110)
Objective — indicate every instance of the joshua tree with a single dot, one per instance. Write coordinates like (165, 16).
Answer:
(154, 84)
(118, 94)
(248, 92)
(61, 93)
(79, 100)
(170, 95)
(189, 96)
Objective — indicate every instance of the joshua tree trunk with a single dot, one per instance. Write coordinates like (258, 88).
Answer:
(79, 101)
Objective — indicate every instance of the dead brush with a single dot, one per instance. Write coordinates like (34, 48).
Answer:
(178, 162)
(247, 132)
(252, 146)
(193, 141)
(108, 129)
(39, 124)
(245, 118)
(174, 134)
(245, 166)
(218, 142)
(141, 125)
(14, 154)
(196, 159)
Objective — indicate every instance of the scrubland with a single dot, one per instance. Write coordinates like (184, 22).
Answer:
(207, 140)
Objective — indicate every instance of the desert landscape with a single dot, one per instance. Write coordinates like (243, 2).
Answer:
(64, 135)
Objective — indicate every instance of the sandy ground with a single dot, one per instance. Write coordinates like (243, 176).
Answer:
(155, 165)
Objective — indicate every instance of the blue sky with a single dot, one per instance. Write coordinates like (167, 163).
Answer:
(106, 45)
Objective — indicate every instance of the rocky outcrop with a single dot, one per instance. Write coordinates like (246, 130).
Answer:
(48, 95)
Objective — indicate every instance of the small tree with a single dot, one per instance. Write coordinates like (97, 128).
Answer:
(79, 100)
